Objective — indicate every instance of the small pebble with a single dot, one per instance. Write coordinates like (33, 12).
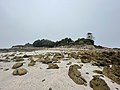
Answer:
(50, 88)
(43, 80)
(6, 69)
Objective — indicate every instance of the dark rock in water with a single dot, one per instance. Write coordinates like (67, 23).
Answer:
(52, 66)
(113, 73)
(20, 71)
(98, 84)
(17, 65)
(32, 63)
(75, 75)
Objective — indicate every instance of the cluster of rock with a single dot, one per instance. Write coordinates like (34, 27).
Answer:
(97, 58)
(113, 73)
(18, 70)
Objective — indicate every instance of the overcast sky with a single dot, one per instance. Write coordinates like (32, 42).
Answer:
(23, 21)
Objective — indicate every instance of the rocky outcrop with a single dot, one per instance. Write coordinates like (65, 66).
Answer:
(98, 84)
(75, 75)
(113, 73)
(17, 65)
(20, 71)
(52, 66)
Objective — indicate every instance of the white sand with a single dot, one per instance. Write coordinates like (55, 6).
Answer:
(57, 79)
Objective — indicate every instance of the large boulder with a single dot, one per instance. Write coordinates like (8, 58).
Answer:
(112, 73)
(75, 75)
(52, 66)
(98, 84)
(20, 71)
(17, 65)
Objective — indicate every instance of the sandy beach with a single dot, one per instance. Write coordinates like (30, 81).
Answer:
(39, 77)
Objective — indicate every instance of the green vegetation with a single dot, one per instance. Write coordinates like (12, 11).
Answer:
(63, 42)
(84, 41)
(43, 43)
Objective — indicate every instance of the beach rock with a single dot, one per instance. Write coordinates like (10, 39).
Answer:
(47, 61)
(75, 75)
(17, 65)
(98, 84)
(4, 60)
(97, 71)
(26, 56)
(52, 66)
(20, 71)
(32, 63)
(43, 80)
(100, 63)
(58, 56)
(39, 60)
(85, 59)
(113, 73)
(74, 55)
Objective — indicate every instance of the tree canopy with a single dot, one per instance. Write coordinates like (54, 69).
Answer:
(63, 42)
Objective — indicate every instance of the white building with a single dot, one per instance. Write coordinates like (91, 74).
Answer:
(89, 36)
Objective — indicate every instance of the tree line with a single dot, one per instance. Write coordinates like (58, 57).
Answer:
(63, 42)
